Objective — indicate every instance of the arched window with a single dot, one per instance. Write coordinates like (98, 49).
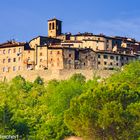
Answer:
(53, 25)
(4, 69)
(19, 49)
(9, 60)
(14, 68)
(4, 60)
(4, 51)
(50, 26)
(9, 51)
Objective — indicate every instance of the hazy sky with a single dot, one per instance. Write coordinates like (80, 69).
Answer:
(24, 19)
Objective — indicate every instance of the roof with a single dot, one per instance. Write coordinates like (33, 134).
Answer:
(62, 48)
(51, 45)
(27, 47)
(72, 41)
(11, 44)
(71, 48)
(114, 53)
(84, 34)
(37, 37)
(54, 19)
(96, 35)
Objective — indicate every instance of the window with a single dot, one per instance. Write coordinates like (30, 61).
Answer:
(4, 69)
(99, 62)
(8, 69)
(14, 50)
(69, 62)
(9, 60)
(41, 54)
(122, 58)
(111, 57)
(4, 51)
(9, 51)
(117, 64)
(107, 46)
(28, 51)
(105, 56)
(99, 56)
(19, 49)
(4, 60)
(127, 58)
(105, 63)
(14, 68)
(116, 57)
(122, 64)
(51, 59)
(14, 59)
(53, 25)
(19, 59)
(19, 67)
(69, 55)
(50, 26)
(111, 63)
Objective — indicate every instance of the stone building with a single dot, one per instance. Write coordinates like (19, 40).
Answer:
(67, 51)
(40, 45)
(11, 56)
(111, 60)
(71, 58)
(28, 58)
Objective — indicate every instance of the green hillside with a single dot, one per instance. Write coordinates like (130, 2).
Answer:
(97, 109)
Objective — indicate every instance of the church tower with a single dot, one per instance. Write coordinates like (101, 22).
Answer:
(54, 27)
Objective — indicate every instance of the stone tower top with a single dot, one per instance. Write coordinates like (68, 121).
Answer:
(54, 27)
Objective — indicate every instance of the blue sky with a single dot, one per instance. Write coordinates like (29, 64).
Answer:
(24, 19)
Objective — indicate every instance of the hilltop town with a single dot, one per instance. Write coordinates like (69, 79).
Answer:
(39, 104)
(59, 51)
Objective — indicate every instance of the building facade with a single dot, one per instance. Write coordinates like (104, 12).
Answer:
(67, 51)
(11, 57)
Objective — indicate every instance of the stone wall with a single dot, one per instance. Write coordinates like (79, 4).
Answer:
(55, 74)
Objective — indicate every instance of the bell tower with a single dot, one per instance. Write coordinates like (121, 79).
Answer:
(54, 27)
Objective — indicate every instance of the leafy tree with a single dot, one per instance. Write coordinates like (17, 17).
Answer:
(39, 81)
(94, 109)
(105, 112)
(78, 77)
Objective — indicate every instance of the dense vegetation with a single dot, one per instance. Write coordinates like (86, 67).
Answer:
(107, 109)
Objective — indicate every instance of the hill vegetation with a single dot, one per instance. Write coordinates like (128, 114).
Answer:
(97, 109)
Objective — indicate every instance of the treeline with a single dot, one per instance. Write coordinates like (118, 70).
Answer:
(98, 109)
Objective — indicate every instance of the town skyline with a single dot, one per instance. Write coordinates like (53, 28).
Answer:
(22, 21)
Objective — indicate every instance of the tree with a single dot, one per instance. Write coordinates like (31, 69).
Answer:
(39, 81)
(110, 109)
